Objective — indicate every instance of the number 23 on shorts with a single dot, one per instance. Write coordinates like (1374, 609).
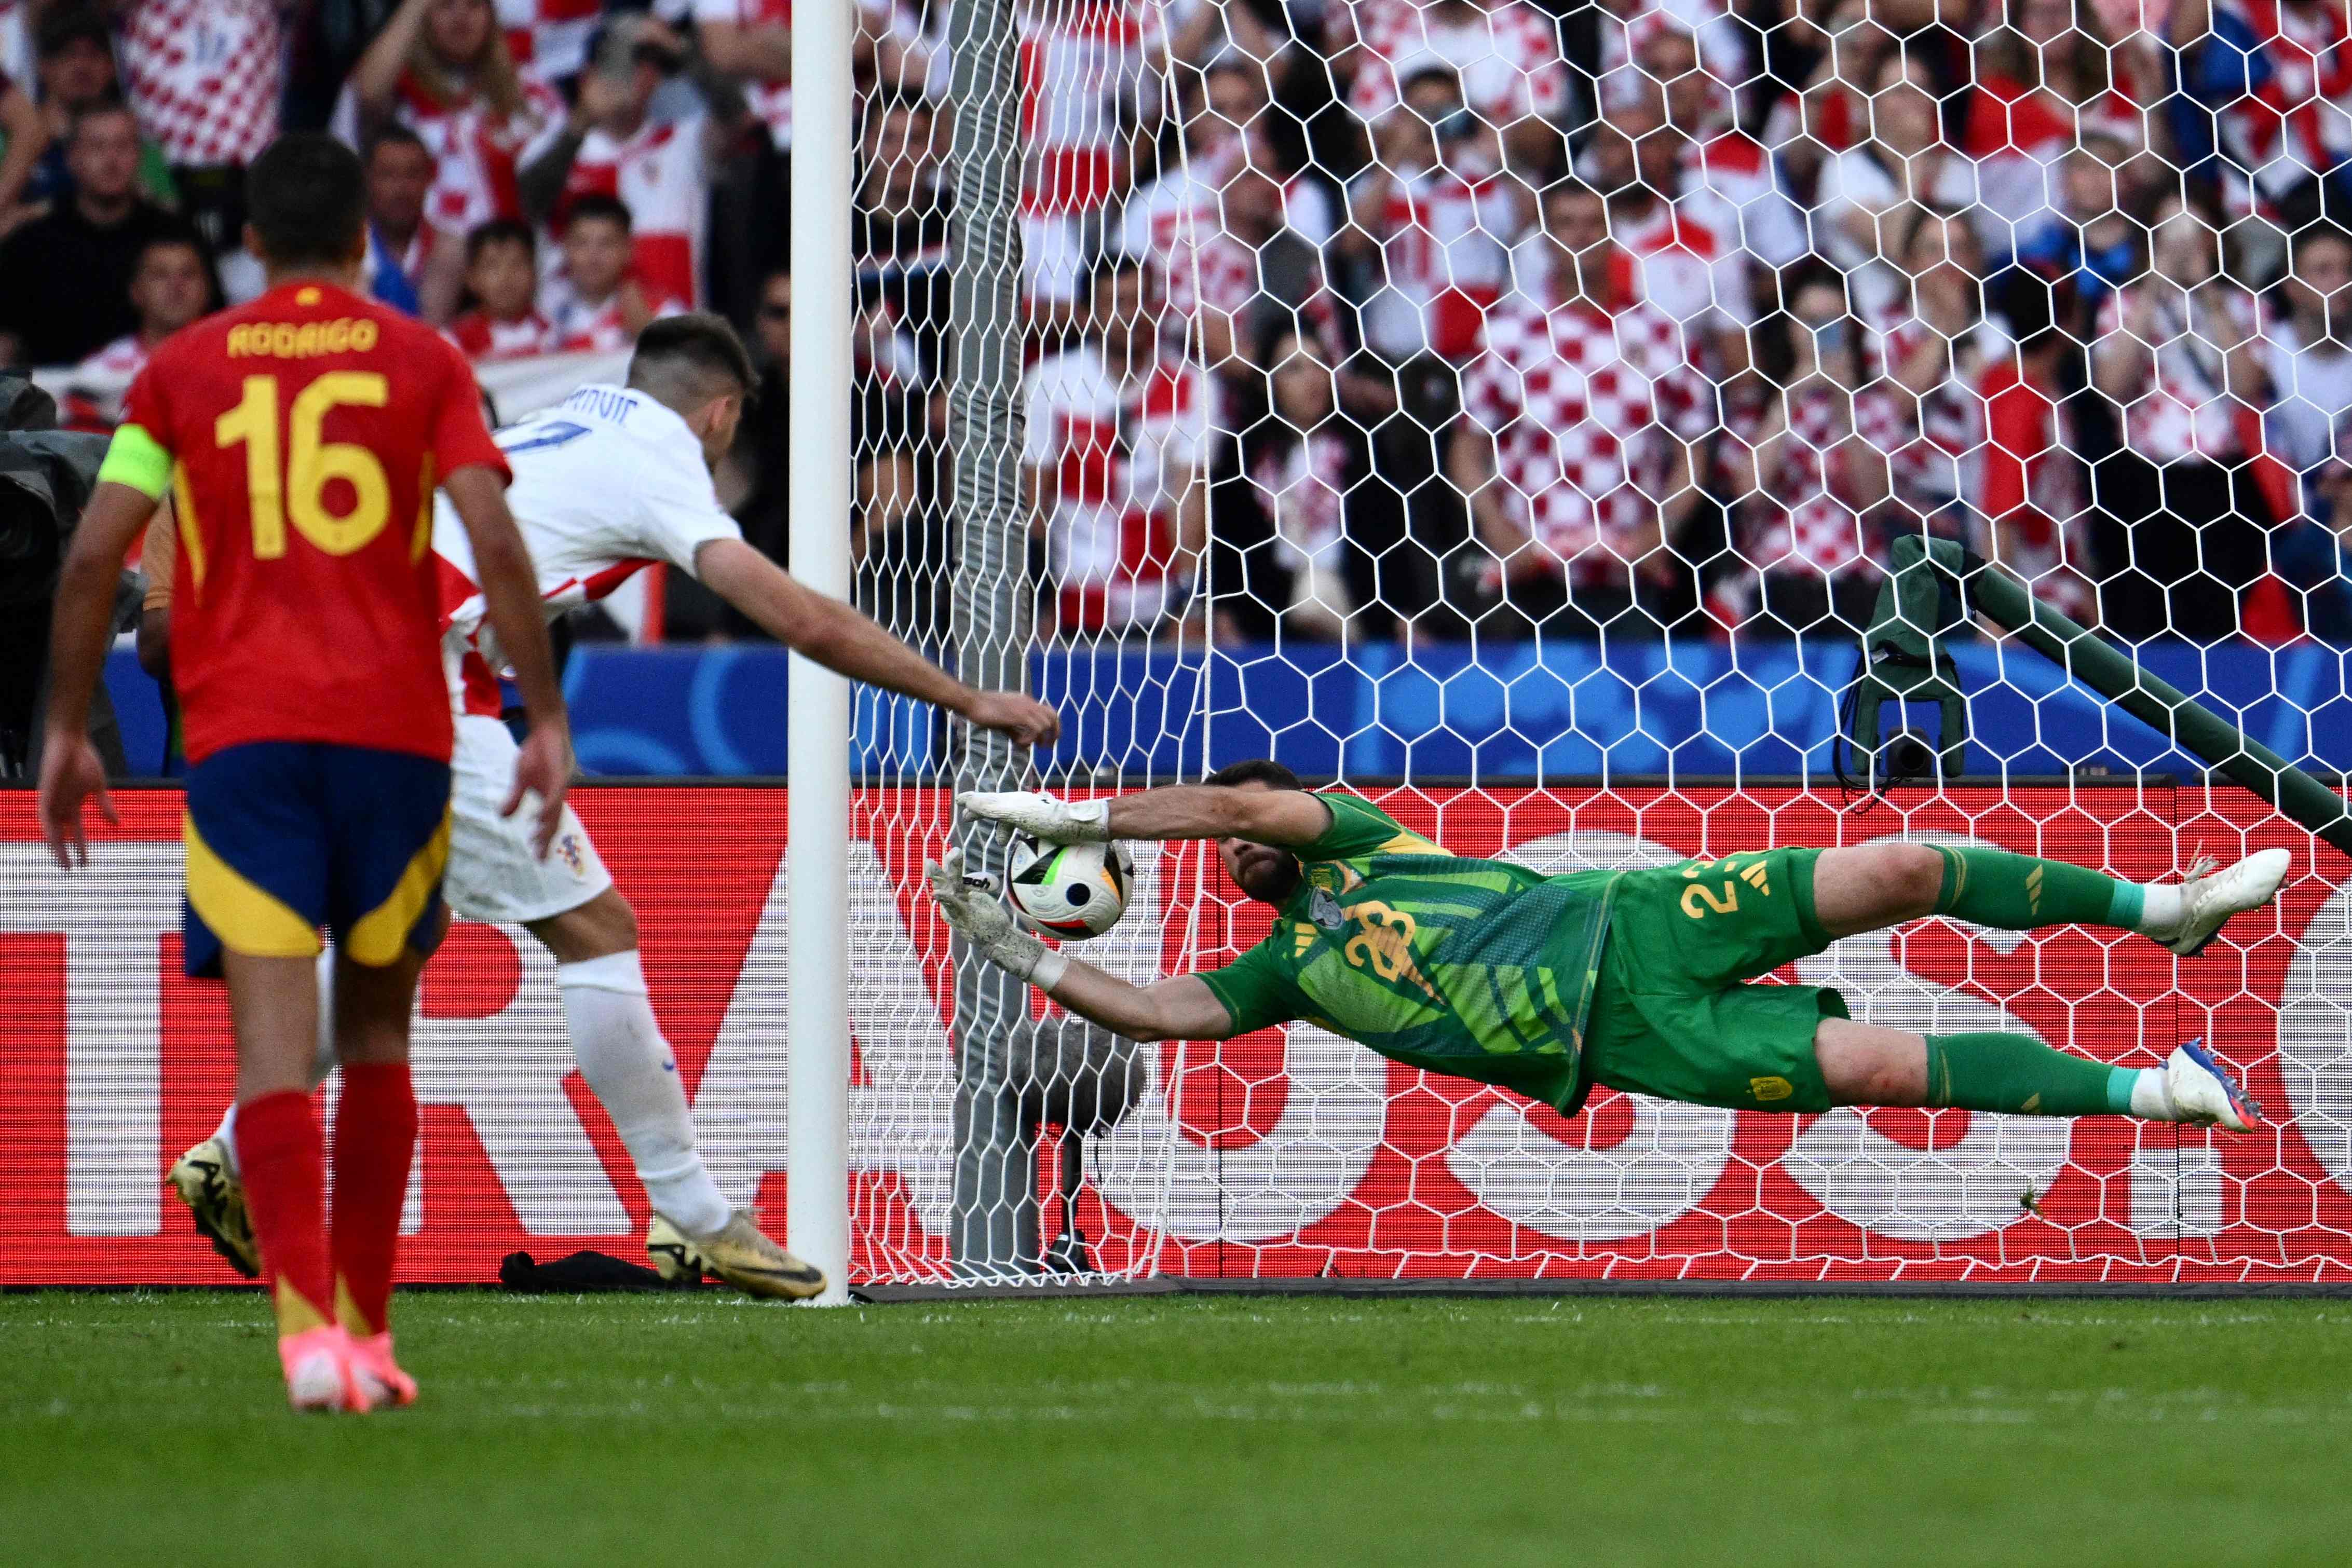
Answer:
(1700, 900)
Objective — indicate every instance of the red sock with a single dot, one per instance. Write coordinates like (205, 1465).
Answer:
(279, 1154)
(375, 1136)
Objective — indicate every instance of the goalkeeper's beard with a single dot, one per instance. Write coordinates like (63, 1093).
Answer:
(1265, 874)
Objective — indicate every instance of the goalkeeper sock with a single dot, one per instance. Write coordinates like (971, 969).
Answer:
(375, 1138)
(2017, 893)
(2018, 1073)
(322, 1059)
(285, 1168)
(634, 1074)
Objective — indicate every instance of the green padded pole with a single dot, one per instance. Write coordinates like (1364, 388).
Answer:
(2002, 597)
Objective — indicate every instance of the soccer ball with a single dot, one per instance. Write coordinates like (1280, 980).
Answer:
(1069, 891)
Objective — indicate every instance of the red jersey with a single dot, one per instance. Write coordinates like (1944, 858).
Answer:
(303, 434)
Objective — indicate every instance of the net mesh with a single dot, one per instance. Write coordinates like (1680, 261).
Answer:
(1508, 411)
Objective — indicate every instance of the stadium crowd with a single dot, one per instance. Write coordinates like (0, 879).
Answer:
(1376, 318)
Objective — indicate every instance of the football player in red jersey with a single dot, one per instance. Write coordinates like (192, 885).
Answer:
(301, 437)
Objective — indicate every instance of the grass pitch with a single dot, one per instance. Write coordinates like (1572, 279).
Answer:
(150, 1429)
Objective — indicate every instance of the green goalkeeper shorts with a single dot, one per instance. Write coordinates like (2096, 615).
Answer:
(1676, 1012)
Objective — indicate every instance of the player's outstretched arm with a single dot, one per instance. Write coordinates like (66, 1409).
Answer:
(837, 636)
(70, 769)
(511, 589)
(1287, 819)
(1180, 1008)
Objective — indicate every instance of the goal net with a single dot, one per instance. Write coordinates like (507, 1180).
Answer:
(1506, 411)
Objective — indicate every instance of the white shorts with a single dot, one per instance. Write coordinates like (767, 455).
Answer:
(493, 875)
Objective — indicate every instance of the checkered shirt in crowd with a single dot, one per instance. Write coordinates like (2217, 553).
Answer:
(1583, 405)
(2189, 412)
(1508, 59)
(1807, 516)
(205, 76)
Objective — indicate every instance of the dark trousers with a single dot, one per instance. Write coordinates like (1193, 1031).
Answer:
(2180, 545)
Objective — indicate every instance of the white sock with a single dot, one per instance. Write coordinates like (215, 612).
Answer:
(323, 1059)
(2159, 910)
(633, 1072)
(2151, 1098)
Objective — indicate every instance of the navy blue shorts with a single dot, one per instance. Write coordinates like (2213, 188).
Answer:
(284, 837)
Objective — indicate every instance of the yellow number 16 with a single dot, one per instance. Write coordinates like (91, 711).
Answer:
(298, 491)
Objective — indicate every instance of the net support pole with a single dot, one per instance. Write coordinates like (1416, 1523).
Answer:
(993, 1227)
(817, 749)
(2002, 597)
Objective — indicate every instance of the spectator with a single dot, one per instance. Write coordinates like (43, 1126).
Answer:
(1118, 442)
(1579, 443)
(2089, 239)
(1175, 220)
(1811, 545)
(65, 277)
(2030, 482)
(1697, 276)
(2307, 353)
(2045, 79)
(1091, 78)
(204, 78)
(1423, 257)
(412, 265)
(1866, 189)
(1431, 219)
(1503, 54)
(612, 146)
(763, 442)
(77, 72)
(1730, 181)
(1933, 352)
(1629, 30)
(27, 133)
(2177, 354)
(2264, 87)
(900, 223)
(597, 304)
(752, 42)
(171, 285)
(1311, 556)
(502, 278)
(1234, 268)
(442, 68)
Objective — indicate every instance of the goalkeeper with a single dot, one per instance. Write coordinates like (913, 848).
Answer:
(1641, 980)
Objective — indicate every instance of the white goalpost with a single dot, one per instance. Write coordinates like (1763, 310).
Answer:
(817, 1195)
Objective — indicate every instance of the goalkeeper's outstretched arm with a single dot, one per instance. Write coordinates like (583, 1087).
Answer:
(1286, 818)
(1180, 1008)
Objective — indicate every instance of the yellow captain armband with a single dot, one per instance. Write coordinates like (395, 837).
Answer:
(137, 459)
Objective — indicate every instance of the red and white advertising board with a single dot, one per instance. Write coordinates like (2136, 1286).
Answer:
(1287, 1153)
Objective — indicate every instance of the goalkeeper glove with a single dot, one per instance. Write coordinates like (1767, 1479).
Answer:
(968, 901)
(1055, 822)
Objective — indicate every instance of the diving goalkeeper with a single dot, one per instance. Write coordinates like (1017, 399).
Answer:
(1641, 980)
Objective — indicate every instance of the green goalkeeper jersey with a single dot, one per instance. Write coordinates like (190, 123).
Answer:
(1475, 968)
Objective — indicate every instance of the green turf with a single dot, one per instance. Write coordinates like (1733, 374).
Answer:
(147, 1429)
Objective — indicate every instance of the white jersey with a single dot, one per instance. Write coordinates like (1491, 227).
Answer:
(606, 483)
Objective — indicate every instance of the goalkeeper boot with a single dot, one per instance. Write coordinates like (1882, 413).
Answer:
(386, 1383)
(739, 1254)
(205, 1180)
(322, 1371)
(2202, 1091)
(2209, 899)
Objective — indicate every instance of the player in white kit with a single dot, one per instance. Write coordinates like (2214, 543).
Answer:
(608, 482)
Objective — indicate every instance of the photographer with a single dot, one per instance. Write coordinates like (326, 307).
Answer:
(45, 476)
